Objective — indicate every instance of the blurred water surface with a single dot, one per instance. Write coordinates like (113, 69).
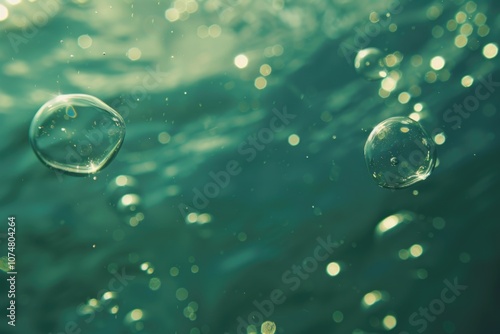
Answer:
(262, 96)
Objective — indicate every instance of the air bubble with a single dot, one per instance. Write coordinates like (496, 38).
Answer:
(268, 327)
(110, 302)
(399, 153)
(370, 63)
(77, 134)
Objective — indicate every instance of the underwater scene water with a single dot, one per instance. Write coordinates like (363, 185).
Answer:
(239, 166)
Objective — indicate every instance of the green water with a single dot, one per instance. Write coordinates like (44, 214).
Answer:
(240, 193)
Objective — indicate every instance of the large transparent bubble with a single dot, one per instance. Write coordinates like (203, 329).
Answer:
(399, 153)
(76, 134)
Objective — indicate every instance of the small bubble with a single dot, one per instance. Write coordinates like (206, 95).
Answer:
(399, 153)
(268, 327)
(372, 298)
(92, 136)
(241, 61)
(110, 302)
(293, 140)
(242, 236)
(490, 51)
(84, 41)
(134, 315)
(389, 322)
(163, 138)
(437, 63)
(333, 268)
(370, 63)
(174, 271)
(154, 283)
(338, 316)
(438, 223)
(422, 273)
(181, 294)
(464, 257)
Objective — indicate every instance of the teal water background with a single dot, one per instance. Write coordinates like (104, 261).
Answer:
(189, 111)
